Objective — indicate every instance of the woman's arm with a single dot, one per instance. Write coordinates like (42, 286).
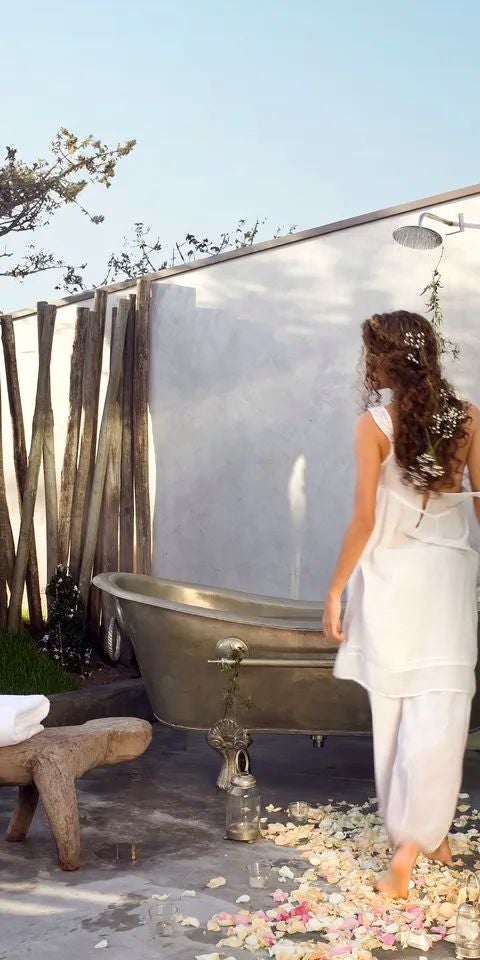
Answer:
(473, 458)
(368, 461)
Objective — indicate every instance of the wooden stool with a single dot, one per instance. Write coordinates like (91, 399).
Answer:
(48, 765)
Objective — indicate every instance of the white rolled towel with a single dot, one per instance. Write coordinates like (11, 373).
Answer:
(20, 718)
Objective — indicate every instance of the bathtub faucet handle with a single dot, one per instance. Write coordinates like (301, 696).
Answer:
(230, 646)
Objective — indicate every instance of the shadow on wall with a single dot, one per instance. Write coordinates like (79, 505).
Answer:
(251, 416)
(253, 403)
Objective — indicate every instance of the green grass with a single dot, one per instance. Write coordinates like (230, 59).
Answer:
(24, 670)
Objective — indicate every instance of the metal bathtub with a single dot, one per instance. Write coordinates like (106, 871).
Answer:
(287, 672)
(175, 628)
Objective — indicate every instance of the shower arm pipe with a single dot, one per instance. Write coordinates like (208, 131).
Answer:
(325, 664)
(459, 222)
(433, 216)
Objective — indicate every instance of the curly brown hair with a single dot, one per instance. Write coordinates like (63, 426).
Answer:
(404, 349)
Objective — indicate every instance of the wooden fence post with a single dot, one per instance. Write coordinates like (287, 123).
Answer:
(110, 514)
(20, 462)
(94, 347)
(49, 470)
(103, 450)
(140, 429)
(69, 467)
(7, 547)
(31, 482)
(126, 485)
(100, 311)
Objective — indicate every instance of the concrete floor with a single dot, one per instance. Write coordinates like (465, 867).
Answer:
(167, 805)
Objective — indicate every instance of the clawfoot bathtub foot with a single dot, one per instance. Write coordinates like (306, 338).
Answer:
(227, 738)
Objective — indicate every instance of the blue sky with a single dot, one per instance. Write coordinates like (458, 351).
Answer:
(301, 111)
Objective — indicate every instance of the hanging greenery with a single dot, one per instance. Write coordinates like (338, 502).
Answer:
(65, 639)
(434, 308)
(232, 696)
(433, 304)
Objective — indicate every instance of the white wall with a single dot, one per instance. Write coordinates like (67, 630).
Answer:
(253, 397)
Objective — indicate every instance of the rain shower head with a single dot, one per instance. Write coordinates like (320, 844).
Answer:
(418, 237)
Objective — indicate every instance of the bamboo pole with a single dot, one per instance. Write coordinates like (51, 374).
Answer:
(140, 429)
(69, 467)
(7, 546)
(49, 469)
(126, 482)
(20, 462)
(33, 470)
(103, 449)
(87, 447)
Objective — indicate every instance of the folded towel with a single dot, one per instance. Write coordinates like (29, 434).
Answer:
(20, 718)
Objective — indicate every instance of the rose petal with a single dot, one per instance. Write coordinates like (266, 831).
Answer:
(216, 882)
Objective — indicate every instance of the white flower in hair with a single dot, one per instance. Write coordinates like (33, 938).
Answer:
(415, 342)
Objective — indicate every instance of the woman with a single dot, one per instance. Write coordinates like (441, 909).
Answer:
(410, 630)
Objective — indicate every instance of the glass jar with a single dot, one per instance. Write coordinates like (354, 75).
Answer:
(243, 807)
(467, 936)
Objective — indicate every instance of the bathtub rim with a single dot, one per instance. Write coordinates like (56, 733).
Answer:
(108, 582)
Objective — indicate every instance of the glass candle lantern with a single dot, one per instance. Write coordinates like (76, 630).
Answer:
(299, 811)
(258, 873)
(467, 937)
(243, 808)
(163, 917)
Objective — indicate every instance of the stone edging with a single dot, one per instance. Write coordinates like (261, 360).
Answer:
(122, 698)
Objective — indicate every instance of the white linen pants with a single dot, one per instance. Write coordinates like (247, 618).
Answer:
(419, 744)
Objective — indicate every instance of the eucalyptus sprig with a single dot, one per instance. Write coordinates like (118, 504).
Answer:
(433, 304)
(434, 308)
(232, 695)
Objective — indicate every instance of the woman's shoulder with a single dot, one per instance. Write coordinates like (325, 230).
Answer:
(379, 417)
(473, 412)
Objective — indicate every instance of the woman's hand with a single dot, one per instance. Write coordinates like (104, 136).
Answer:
(332, 619)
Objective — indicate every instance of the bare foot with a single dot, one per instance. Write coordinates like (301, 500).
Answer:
(442, 854)
(394, 882)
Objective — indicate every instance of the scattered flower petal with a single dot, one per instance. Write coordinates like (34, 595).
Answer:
(216, 882)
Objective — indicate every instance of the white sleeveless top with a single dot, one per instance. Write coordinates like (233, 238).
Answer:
(411, 617)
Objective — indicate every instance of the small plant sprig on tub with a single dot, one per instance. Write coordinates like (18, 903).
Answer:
(65, 639)
(232, 696)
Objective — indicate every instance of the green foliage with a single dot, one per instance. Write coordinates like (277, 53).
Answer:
(25, 670)
(65, 640)
(433, 304)
(140, 253)
(434, 308)
(32, 193)
(232, 696)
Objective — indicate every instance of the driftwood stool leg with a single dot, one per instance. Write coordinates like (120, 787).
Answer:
(57, 793)
(23, 814)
